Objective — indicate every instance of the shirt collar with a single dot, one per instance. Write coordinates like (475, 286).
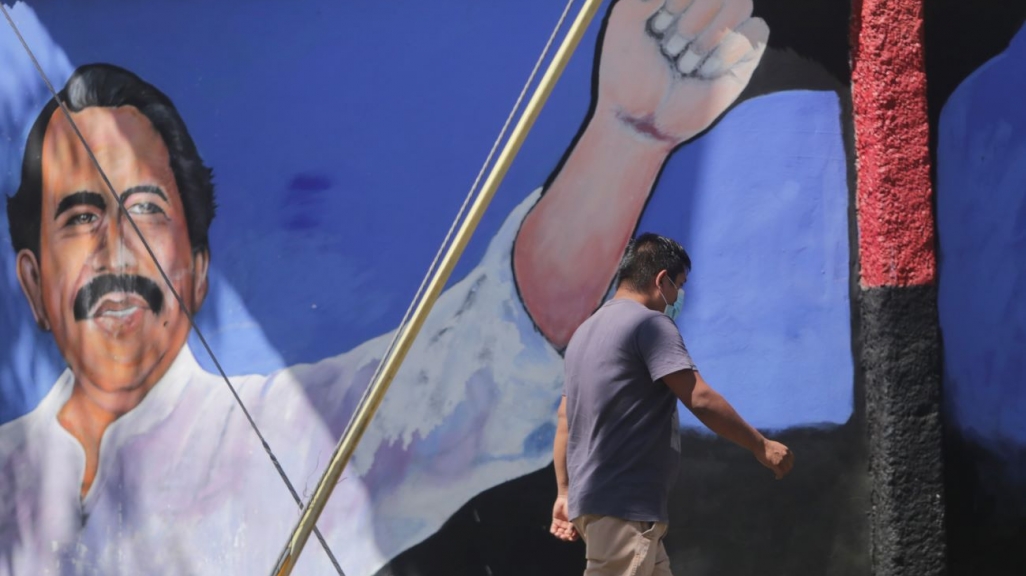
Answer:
(156, 407)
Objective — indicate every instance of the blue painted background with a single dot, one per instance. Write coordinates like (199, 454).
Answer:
(981, 218)
(344, 135)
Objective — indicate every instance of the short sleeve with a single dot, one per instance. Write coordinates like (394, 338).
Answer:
(662, 348)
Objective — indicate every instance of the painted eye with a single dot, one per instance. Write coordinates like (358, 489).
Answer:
(83, 218)
(143, 208)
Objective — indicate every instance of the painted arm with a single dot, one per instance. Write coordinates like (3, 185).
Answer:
(718, 415)
(665, 75)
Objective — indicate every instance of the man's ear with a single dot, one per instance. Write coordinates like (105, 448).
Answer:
(660, 276)
(200, 268)
(31, 284)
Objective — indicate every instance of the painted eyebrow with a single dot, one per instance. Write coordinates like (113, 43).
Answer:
(80, 198)
(94, 199)
(143, 189)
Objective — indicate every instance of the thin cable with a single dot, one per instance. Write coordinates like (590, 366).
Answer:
(470, 195)
(167, 280)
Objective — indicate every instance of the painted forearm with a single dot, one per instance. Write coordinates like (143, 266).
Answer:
(569, 246)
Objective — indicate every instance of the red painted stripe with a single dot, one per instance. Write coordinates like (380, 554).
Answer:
(895, 215)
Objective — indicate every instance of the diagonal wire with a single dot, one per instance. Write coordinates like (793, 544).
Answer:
(470, 196)
(459, 216)
(167, 280)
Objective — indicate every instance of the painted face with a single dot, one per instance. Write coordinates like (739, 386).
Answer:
(94, 285)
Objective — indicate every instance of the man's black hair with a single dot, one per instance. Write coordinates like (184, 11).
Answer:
(107, 86)
(649, 254)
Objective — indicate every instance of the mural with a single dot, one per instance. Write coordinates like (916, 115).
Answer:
(337, 160)
(981, 204)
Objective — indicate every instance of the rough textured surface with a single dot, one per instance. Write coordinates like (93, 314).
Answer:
(896, 239)
(900, 345)
(901, 360)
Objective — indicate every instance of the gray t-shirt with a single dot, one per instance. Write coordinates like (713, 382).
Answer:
(624, 445)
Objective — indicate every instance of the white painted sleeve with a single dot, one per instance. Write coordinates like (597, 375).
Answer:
(478, 351)
(472, 406)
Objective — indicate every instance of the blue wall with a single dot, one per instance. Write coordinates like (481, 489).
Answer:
(339, 160)
(981, 221)
(981, 217)
(343, 137)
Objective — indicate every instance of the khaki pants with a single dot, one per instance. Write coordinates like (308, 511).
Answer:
(617, 547)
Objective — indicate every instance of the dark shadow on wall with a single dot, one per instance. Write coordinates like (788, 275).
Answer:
(728, 518)
(986, 514)
(809, 52)
(814, 31)
(960, 37)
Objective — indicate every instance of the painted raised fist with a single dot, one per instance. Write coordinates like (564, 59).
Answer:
(669, 68)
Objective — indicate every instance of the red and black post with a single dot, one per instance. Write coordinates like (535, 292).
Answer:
(899, 341)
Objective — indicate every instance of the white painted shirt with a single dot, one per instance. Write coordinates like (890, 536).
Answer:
(184, 487)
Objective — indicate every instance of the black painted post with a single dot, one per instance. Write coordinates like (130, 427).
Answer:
(901, 362)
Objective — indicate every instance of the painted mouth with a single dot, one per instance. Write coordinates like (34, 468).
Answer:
(118, 305)
(117, 296)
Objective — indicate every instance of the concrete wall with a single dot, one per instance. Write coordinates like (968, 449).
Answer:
(342, 138)
(981, 199)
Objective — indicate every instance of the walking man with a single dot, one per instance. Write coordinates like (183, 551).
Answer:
(617, 444)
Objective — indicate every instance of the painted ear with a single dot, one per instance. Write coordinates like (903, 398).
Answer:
(32, 285)
(200, 286)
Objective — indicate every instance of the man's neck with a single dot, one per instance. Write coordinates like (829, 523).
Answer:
(625, 293)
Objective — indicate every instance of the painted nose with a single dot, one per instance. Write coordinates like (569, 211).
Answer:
(116, 253)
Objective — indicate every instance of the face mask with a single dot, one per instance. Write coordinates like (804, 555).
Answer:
(673, 311)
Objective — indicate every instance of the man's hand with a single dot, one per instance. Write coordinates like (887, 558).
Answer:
(776, 457)
(561, 527)
(669, 68)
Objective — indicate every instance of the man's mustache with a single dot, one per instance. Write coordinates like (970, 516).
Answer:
(90, 294)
